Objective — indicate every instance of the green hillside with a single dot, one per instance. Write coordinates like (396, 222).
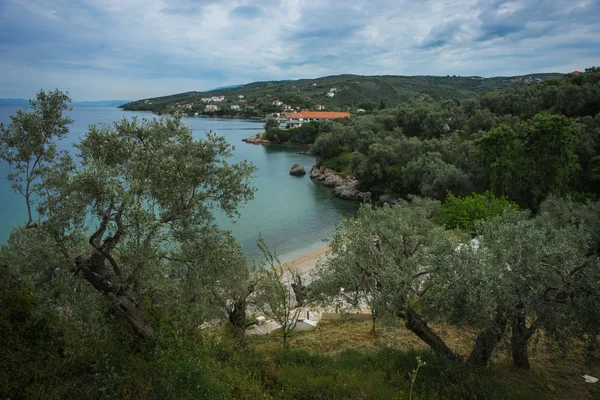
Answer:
(352, 92)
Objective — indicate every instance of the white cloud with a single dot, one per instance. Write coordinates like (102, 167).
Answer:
(135, 49)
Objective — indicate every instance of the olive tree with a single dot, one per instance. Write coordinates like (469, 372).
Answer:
(140, 190)
(28, 144)
(276, 295)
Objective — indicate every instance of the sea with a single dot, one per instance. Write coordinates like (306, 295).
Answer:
(294, 215)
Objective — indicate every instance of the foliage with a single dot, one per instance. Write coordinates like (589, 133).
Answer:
(463, 213)
(28, 144)
(352, 91)
(276, 295)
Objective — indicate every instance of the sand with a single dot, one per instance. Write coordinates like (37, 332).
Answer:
(308, 262)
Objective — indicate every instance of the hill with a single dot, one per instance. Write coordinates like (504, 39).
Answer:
(350, 92)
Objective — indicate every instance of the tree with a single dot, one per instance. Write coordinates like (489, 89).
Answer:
(393, 255)
(527, 271)
(499, 150)
(149, 187)
(548, 160)
(271, 123)
(463, 213)
(28, 144)
(276, 295)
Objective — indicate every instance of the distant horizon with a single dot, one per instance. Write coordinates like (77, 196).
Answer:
(232, 86)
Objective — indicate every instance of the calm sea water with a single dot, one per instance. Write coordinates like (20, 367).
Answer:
(293, 214)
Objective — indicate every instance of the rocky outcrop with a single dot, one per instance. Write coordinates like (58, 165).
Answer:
(346, 188)
(297, 170)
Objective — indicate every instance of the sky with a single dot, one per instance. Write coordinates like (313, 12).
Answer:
(134, 49)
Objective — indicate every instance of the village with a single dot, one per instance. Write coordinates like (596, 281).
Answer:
(291, 116)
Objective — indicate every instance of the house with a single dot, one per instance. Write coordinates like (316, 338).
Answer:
(330, 94)
(241, 97)
(276, 103)
(218, 98)
(206, 99)
(235, 107)
(146, 101)
(305, 110)
(210, 108)
(319, 107)
(287, 107)
(296, 120)
(188, 106)
(333, 89)
(361, 110)
(576, 73)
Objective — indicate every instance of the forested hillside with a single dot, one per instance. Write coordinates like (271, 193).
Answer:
(351, 92)
(524, 143)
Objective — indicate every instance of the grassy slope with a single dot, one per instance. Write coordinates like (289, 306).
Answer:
(352, 90)
(379, 363)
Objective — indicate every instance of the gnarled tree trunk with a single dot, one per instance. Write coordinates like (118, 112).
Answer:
(487, 340)
(95, 271)
(237, 317)
(519, 341)
(415, 323)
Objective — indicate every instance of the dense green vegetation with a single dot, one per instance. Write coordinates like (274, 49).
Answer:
(119, 285)
(523, 143)
(352, 92)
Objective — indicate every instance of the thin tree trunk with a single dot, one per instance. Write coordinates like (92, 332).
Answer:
(415, 323)
(519, 341)
(487, 340)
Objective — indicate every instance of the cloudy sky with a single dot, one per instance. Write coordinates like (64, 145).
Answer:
(131, 49)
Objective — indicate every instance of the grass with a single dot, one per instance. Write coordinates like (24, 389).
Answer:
(377, 365)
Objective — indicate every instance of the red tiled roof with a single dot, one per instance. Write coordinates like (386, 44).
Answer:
(575, 73)
(321, 115)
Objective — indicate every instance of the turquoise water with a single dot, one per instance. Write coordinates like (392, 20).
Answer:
(294, 215)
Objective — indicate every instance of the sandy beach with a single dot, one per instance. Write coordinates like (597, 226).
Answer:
(308, 261)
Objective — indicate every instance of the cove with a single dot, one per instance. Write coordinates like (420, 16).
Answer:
(294, 215)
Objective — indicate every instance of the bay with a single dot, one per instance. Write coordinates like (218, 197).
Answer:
(294, 215)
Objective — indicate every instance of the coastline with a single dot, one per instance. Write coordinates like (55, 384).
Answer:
(307, 262)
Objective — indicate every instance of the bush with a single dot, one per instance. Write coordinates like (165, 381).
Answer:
(462, 213)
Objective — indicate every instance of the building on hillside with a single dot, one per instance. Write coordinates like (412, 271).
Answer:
(314, 84)
(330, 94)
(276, 103)
(206, 99)
(287, 107)
(576, 73)
(188, 106)
(235, 107)
(296, 120)
(211, 108)
(241, 97)
(333, 89)
(361, 110)
(319, 107)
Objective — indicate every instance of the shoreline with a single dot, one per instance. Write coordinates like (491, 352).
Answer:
(307, 262)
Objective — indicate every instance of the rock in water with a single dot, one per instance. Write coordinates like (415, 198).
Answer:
(297, 170)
